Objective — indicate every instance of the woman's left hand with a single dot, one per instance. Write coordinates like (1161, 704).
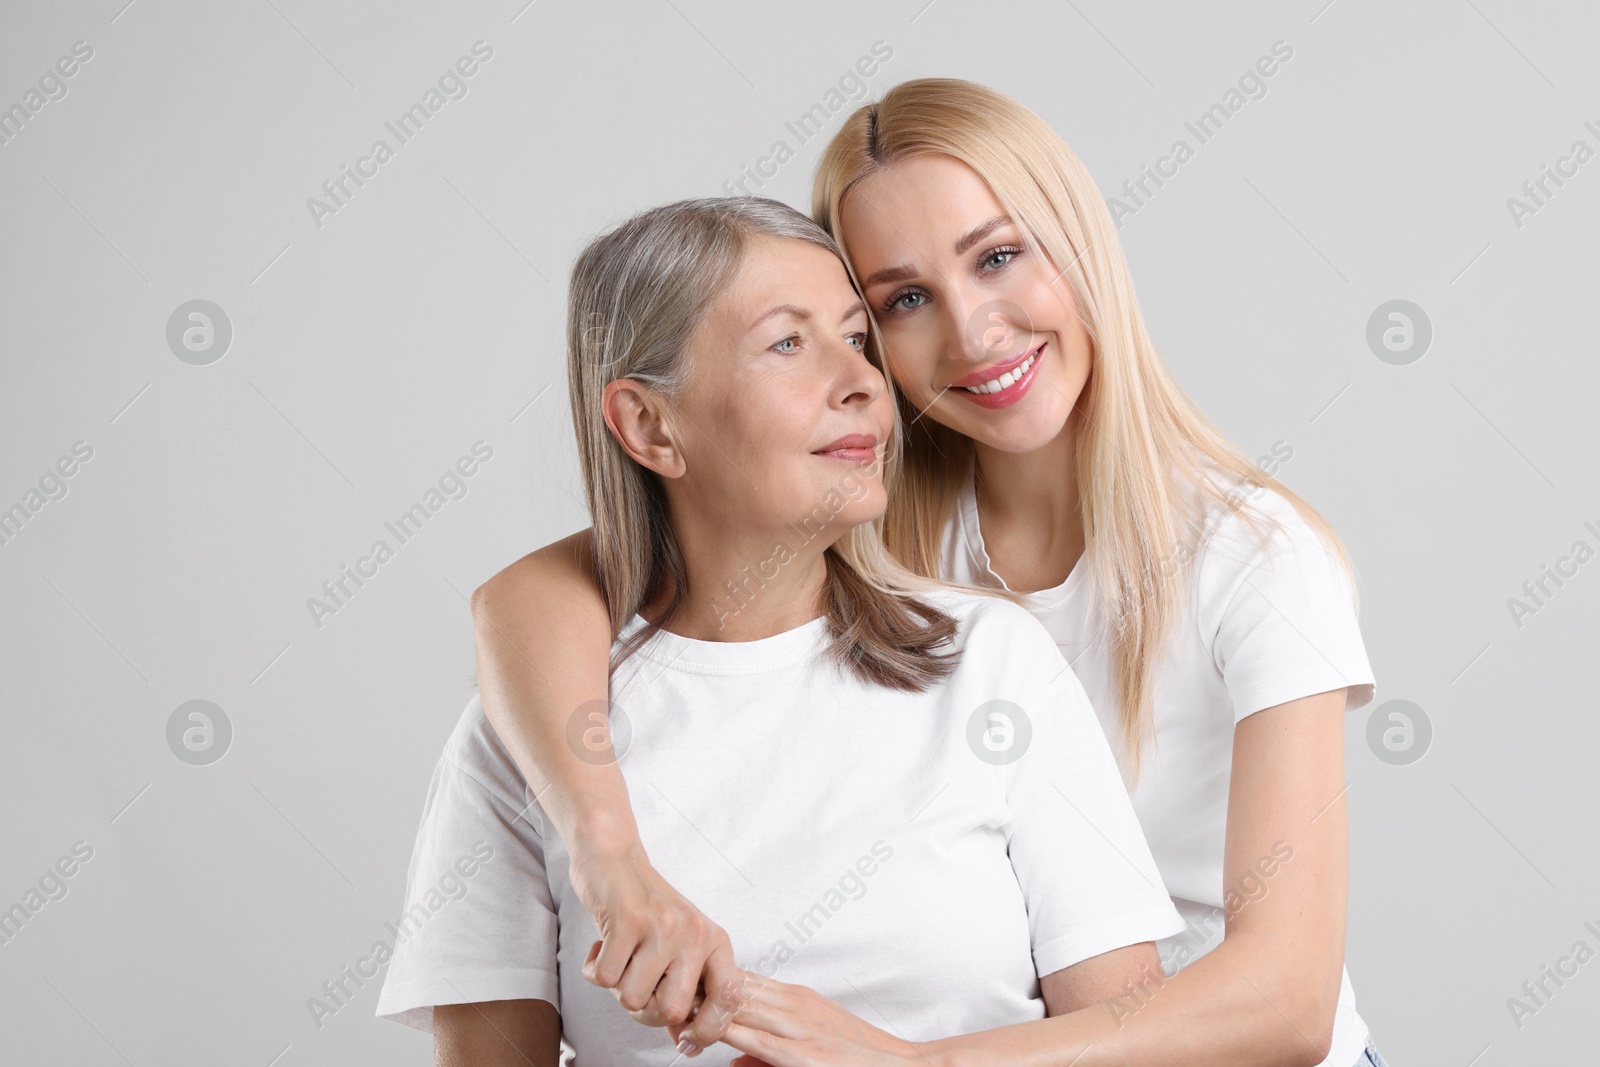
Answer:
(792, 1026)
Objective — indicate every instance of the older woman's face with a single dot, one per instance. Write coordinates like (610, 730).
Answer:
(785, 420)
(980, 331)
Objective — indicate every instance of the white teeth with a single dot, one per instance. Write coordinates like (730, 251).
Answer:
(1005, 381)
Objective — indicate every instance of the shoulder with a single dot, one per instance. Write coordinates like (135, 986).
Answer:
(984, 615)
(1275, 604)
(558, 576)
(1012, 678)
(1256, 534)
(998, 636)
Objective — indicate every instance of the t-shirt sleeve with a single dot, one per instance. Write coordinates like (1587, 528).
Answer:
(1086, 872)
(1278, 614)
(479, 921)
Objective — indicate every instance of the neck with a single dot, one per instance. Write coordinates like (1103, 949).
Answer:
(744, 586)
(1033, 491)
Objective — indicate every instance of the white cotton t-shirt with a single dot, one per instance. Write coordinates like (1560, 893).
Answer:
(919, 857)
(1267, 622)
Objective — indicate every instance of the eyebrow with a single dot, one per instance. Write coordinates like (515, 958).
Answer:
(964, 242)
(980, 231)
(799, 312)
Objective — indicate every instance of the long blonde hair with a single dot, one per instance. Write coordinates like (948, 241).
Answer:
(636, 298)
(1142, 438)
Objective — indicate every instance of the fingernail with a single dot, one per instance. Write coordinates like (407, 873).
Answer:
(687, 1047)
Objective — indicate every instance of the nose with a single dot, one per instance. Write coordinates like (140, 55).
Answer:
(982, 329)
(994, 334)
(966, 331)
(989, 330)
(859, 382)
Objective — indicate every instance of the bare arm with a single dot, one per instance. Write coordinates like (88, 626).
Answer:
(1099, 978)
(497, 1033)
(788, 1025)
(1265, 997)
(544, 642)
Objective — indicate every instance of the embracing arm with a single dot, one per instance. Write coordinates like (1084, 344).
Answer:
(783, 1025)
(1099, 978)
(544, 643)
(1266, 996)
(543, 639)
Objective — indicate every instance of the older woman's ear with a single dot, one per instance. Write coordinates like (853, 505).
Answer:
(639, 419)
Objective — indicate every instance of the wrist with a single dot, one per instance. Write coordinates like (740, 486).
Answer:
(600, 833)
(940, 1055)
(945, 1053)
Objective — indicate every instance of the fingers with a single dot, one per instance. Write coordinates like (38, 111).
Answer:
(756, 1004)
(677, 994)
(775, 1051)
(651, 1015)
(608, 958)
(727, 991)
(634, 975)
(775, 1010)
(643, 974)
(656, 948)
(658, 982)
(648, 1016)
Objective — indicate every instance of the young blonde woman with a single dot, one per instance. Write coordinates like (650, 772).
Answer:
(820, 762)
(1208, 610)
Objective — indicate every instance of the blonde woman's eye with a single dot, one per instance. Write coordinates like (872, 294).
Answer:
(858, 341)
(1004, 255)
(897, 302)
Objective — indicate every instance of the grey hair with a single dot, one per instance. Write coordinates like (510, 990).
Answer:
(637, 296)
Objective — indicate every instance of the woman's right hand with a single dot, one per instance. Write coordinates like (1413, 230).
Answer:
(658, 954)
(784, 1025)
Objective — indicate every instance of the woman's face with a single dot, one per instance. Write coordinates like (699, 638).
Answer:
(784, 418)
(962, 302)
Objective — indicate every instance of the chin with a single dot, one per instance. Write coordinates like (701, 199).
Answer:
(861, 512)
(1018, 436)
(838, 504)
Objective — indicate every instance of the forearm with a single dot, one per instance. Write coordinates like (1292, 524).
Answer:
(1237, 1006)
(544, 641)
(1267, 995)
(543, 645)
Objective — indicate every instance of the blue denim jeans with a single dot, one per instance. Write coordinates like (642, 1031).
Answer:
(1370, 1057)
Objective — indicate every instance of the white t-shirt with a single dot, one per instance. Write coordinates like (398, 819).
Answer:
(1267, 622)
(872, 844)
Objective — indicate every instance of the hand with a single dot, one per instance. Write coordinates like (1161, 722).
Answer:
(784, 1025)
(657, 951)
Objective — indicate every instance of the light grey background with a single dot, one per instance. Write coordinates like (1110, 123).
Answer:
(372, 351)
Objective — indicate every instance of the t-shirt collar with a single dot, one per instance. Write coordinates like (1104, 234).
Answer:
(972, 535)
(731, 657)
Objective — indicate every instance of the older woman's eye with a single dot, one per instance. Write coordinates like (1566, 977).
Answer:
(793, 341)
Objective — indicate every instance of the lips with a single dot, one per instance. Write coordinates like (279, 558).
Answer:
(994, 370)
(1022, 370)
(854, 447)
